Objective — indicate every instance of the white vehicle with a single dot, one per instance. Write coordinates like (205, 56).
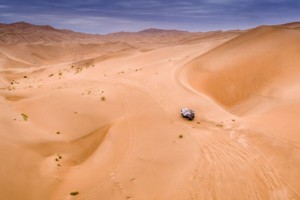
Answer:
(187, 113)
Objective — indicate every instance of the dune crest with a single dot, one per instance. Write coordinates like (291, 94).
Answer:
(243, 67)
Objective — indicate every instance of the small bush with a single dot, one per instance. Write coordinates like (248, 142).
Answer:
(180, 136)
(78, 69)
(103, 98)
(25, 117)
(219, 125)
(74, 193)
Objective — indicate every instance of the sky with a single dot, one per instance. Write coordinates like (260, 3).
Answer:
(107, 16)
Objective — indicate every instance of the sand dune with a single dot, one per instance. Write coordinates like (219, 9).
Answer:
(242, 67)
(101, 120)
(47, 54)
(8, 61)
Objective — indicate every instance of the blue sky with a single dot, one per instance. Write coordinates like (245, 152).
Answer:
(106, 16)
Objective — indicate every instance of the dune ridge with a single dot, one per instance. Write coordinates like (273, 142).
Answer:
(266, 53)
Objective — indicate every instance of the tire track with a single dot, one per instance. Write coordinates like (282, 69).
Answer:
(234, 157)
(231, 155)
(222, 158)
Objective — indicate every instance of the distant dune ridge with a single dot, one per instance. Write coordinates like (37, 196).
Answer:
(94, 117)
(24, 44)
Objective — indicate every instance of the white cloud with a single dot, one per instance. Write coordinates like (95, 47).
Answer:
(3, 6)
(139, 4)
(8, 15)
(227, 1)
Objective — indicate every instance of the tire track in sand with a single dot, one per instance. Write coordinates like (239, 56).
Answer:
(231, 160)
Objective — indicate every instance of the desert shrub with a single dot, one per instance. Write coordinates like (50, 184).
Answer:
(74, 193)
(25, 117)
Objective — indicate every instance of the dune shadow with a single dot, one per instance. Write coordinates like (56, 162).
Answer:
(77, 150)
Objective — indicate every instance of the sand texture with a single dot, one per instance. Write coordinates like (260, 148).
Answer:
(97, 117)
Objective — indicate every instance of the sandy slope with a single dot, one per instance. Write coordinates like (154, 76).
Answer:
(256, 77)
(106, 124)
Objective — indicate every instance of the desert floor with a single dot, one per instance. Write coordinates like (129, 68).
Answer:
(107, 124)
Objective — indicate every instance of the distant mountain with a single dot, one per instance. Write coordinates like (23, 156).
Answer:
(150, 31)
(294, 25)
(26, 33)
(155, 31)
(22, 32)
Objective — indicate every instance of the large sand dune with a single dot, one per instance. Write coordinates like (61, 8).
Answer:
(102, 118)
(243, 66)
